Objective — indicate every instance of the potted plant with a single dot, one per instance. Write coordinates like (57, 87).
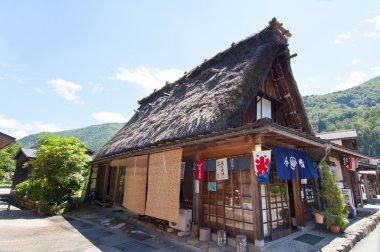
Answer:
(318, 215)
(335, 222)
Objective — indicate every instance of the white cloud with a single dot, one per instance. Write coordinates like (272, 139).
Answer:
(18, 129)
(66, 89)
(375, 21)
(356, 61)
(17, 133)
(341, 37)
(46, 127)
(108, 117)
(375, 71)
(354, 79)
(97, 88)
(38, 90)
(373, 35)
(149, 78)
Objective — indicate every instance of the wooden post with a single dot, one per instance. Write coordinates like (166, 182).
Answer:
(197, 199)
(104, 195)
(256, 202)
(298, 201)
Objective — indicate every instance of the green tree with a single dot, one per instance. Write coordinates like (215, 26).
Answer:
(331, 194)
(7, 164)
(58, 173)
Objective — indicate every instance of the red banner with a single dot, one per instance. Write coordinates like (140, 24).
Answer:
(346, 162)
(199, 170)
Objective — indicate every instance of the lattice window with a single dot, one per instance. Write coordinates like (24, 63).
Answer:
(230, 206)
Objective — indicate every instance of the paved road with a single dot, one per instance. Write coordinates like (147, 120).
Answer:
(22, 230)
(370, 243)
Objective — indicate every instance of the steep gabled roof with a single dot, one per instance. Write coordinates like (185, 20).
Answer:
(211, 98)
(5, 140)
(29, 153)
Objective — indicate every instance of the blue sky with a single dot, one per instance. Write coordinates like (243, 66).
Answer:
(70, 64)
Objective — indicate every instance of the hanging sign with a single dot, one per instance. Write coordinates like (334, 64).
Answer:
(221, 169)
(212, 186)
(183, 167)
(286, 161)
(262, 165)
(196, 186)
(346, 162)
(199, 170)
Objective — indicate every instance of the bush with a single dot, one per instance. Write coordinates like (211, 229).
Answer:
(59, 171)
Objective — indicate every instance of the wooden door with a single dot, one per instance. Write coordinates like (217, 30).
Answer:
(308, 198)
(120, 183)
(100, 182)
(111, 184)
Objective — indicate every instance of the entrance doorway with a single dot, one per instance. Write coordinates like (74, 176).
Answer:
(275, 206)
(120, 184)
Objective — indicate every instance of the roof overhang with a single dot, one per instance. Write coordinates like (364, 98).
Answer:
(5, 140)
(263, 127)
(338, 148)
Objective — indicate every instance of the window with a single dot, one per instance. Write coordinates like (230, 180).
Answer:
(263, 108)
(228, 204)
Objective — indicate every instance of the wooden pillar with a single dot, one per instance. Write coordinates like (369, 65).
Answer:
(257, 215)
(104, 194)
(298, 201)
(197, 199)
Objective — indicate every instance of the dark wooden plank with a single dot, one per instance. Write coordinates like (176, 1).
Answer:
(297, 200)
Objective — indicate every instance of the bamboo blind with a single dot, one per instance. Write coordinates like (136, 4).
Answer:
(135, 183)
(164, 185)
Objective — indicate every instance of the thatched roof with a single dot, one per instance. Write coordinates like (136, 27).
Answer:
(211, 98)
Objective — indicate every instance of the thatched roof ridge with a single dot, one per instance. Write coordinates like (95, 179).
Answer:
(210, 98)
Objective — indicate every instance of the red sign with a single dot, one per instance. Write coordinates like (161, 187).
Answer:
(346, 162)
(199, 170)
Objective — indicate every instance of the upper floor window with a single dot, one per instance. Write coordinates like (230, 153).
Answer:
(263, 108)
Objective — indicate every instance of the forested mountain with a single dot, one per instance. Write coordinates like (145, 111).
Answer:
(355, 108)
(95, 136)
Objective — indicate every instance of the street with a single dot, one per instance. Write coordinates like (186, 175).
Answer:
(369, 243)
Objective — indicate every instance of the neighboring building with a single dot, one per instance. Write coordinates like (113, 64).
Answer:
(370, 172)
(23, 170)
(5, 140)
(346, 138)
(345, 164)
(242, 100)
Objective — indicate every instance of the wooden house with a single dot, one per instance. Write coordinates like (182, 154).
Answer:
(344, 161)
(190, 145)
(5, 140)
(23, 170)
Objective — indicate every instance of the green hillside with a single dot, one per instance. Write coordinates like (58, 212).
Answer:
(355, 108)
(95, 136)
